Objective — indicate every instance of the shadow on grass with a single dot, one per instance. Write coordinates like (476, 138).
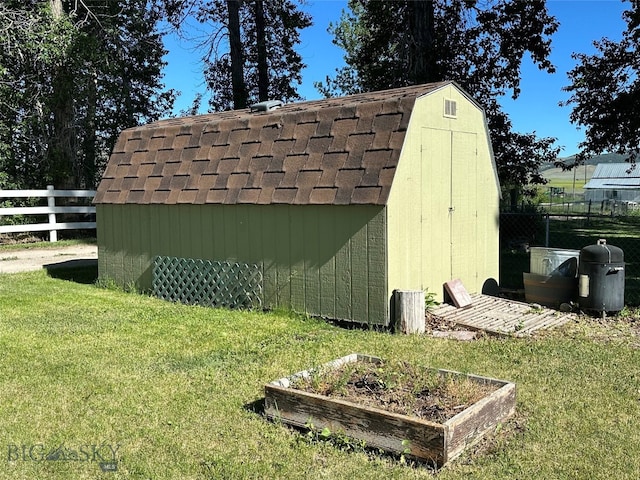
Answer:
(256, 407)
(78, 271)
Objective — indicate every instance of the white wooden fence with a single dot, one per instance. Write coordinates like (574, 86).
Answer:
(51, 210)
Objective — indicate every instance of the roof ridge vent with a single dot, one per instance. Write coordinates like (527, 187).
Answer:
(266, 106)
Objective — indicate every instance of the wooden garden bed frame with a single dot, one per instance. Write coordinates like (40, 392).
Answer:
(436, 443)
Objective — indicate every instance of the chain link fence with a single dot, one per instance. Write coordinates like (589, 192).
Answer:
(521, 231)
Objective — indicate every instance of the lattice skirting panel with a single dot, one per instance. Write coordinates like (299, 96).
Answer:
(207, 283)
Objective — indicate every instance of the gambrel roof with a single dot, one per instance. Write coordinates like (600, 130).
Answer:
(336, 151)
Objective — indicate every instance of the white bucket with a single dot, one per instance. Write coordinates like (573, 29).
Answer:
(554, 261)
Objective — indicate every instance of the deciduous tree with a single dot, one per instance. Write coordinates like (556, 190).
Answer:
(73, 74)
(605, 93)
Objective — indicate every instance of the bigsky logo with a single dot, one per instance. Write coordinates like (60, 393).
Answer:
(104, 454)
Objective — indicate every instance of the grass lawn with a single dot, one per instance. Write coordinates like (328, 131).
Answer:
(8, 247)
(174, 391)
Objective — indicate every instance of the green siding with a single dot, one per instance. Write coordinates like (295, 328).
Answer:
(328, 261)
(359, 275)
(377, 263)
(270, 271)
(311, 247)
(280, 229)
(343, 270)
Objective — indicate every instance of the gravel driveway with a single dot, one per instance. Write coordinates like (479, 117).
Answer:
(34, 259)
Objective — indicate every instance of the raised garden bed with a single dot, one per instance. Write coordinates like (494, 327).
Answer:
(434, 430)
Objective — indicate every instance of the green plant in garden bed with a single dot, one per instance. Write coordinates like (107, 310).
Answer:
(178, 388)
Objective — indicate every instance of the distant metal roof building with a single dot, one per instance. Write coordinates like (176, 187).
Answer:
(619, 176)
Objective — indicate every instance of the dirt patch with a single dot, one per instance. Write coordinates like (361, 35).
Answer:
(398, 388)
(13, 261)
(438, 327)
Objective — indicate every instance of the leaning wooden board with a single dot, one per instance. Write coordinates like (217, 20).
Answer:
(437, 443)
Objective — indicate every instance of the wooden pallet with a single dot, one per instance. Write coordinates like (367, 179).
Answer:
(500, 316)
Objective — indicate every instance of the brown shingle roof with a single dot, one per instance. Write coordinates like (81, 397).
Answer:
(336, 151)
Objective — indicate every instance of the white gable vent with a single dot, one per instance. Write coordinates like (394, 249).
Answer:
(266, 106)
(450, 108)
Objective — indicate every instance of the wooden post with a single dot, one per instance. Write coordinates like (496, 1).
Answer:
(409, 311)
(51, 203)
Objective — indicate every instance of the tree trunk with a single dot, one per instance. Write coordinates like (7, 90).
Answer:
(513, 198)
(263, 72)
(422, 66)
(237, 60)
(56, 9)
(62, 151)
(88, 169)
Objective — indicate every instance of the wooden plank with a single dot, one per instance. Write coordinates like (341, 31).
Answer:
(478, 304)
(117, 245)
(468, 427)
(106, 248)
(501, 316)
(197, 234)
(378, 307)
(244, 242)
(377, 428)
(296, 257)
(45, 210)
(359, 276)
(134, 240)
(548, 322)
(230, 233)
(466, 315)
(256, 254)
(283, 260)
(327, 259)
(217, 227)
(174, 226)
(139, 264)
(310, 223)
(156, 233)
(188, 226)
(42, 227)
(46, 193)
(269, 241)
(102, 225)
(343, 266)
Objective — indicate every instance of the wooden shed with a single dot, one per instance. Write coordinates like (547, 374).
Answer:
(336, 202)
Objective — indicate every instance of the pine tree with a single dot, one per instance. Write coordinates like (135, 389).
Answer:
(259, 47)
(480, 45)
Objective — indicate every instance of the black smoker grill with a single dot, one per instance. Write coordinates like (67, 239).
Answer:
(601, 278)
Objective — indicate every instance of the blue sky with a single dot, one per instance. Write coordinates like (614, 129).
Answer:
(536, 109)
